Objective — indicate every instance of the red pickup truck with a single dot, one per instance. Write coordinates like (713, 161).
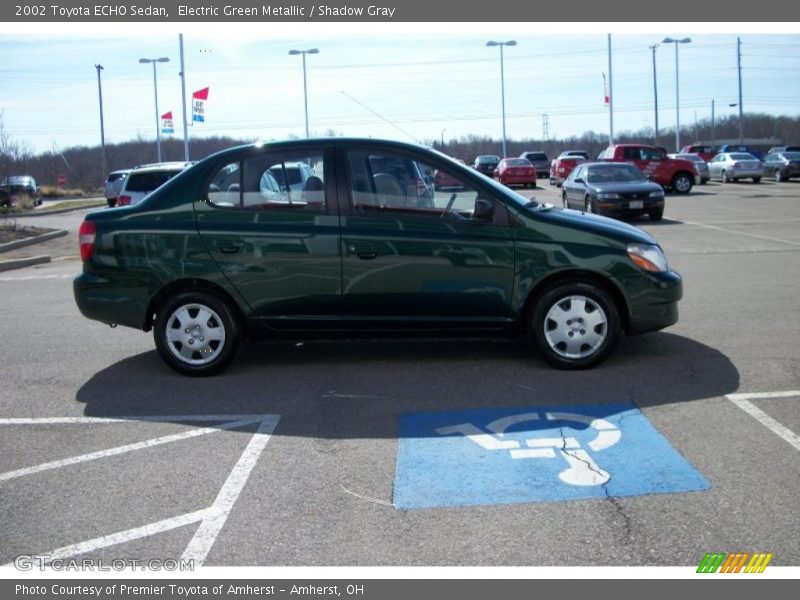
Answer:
(674, 174)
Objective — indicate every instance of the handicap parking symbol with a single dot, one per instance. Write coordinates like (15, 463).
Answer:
(535, 454)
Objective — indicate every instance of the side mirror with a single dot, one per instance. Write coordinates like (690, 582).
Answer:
(579, 180)
(483, 210)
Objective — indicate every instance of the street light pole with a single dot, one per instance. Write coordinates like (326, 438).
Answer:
(502, 85)
(305, 86)
(102, 127)
(669, 40)
(163, 59)
(655, 90)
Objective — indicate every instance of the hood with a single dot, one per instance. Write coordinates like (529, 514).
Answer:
(604, 226)
(626, 186)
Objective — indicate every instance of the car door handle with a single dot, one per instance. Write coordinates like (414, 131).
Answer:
(365, 252)
(229, 247)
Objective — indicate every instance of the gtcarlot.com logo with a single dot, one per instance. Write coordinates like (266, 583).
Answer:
(737, 562)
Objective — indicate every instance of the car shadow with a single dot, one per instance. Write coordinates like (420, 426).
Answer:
(357, 389)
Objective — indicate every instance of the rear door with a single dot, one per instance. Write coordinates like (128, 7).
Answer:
(410, 263)
(278, 246)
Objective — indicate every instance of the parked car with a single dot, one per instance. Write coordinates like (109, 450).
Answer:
(145, 179)
(113, 186)
(699, 162)
(444, 180)
(486, 164)
(13, 186)
(292, 176)
(615, 189)
(784, 149)
(539, 161)
(782, 165)
(202, 273)
(673, 174)
(515, 171)
(704, 151)
(562, 166)
(733, 166)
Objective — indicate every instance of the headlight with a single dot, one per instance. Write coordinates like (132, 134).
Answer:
(648, 257)
(656, 194)
(608, 196)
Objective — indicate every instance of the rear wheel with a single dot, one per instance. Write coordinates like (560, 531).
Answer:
(756, 179)
(196, 333)
(575, 325)
(778, 175)
(682, 183)
(725, 177)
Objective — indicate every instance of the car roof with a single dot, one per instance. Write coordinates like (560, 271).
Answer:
(163, 166)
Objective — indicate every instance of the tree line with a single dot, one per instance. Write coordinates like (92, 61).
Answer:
(83, 165)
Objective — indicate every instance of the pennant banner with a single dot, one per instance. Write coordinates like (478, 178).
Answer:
(166, 123)
(199, 105)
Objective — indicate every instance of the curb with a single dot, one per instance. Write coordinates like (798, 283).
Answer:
(32, 240)
(18, 263)
(56, 211)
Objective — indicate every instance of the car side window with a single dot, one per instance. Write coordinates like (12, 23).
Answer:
(271, 181)
(393, 184)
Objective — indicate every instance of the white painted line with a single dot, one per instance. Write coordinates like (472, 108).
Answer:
(752, 235)
(74, 460)
(37, 277)
(212, 524)
(124, 536)
(158, 418)
(742, 401)
(765, 395)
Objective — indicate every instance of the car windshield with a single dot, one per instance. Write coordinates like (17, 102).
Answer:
(791, 155)
(517, 162)
(614, 173)
(742, 156)
(148, 181)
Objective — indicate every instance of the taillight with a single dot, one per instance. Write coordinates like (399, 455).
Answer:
(86, 236)
(123, 200)
(737, 165)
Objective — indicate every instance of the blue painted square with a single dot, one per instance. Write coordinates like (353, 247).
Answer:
(534, 454)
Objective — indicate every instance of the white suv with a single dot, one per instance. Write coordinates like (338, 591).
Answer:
(146, 178)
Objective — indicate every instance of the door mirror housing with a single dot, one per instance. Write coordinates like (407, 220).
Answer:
(579, 180)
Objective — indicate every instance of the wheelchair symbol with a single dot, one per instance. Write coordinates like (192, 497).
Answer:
(582, 469)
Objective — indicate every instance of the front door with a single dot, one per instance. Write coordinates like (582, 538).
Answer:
(417, 253)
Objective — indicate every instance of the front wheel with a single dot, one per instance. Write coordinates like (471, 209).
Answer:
(756, 179)
(725, 177)
(682, 183)
(196, 333)
(656, 214)
(564, 199)
(575, 325)
(588, 207)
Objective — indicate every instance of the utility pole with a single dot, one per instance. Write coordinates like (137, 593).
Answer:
(741, 108)
(545, 127)
(183, 103)
(610, 97)
(102, 127)
(655, 89)
(713, 140)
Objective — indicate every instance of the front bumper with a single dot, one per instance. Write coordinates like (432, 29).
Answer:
(654, 306)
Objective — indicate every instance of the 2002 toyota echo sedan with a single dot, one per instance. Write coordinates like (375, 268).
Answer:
(223, 251)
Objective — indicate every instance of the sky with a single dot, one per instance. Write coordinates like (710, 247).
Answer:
(399, 81)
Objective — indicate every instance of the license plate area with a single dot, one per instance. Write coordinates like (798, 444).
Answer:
(636, 204)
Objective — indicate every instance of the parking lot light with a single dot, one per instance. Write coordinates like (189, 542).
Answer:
(145, 61)
(305, 87)
(669, 40)
(502, 85)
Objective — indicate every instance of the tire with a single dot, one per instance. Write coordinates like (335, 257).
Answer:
(574, 325)
(656, 214)
(778, 176)
(202, 320)
(756, 179)
(724, 177)
(112, 202)
(682, 183)
(588, 208)
(564, 199)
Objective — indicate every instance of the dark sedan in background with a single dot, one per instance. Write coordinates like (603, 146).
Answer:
(782, 165)
(613, 189)
(486, 164)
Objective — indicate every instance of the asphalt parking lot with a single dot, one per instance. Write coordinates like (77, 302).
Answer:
(402, 452)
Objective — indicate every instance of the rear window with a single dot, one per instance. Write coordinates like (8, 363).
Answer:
(792, 155)
(488, 159)
(116, 176)
(517, 162)
(536, 156)
(742, 156)
(148, 181)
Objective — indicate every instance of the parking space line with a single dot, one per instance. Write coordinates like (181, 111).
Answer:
(743, 402)
(212, 519)
(752, 235)
(74, 460)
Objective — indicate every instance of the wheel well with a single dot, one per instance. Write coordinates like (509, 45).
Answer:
(581, 276)
(186, 285)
